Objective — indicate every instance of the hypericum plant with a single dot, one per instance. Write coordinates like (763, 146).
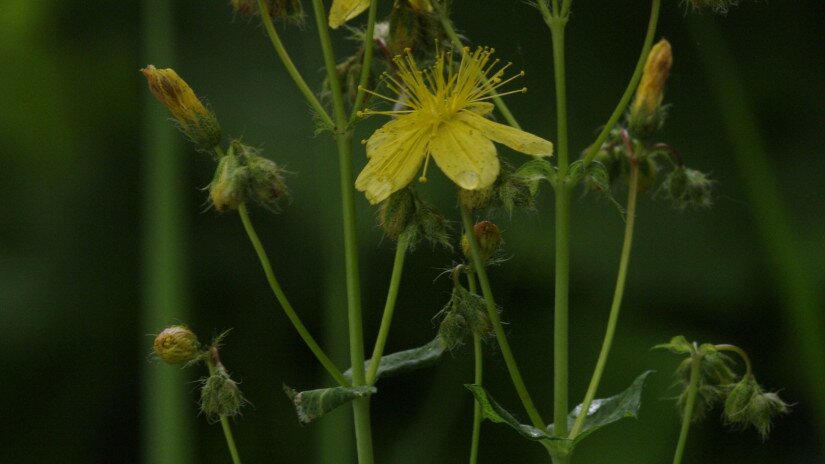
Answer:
(441, 96)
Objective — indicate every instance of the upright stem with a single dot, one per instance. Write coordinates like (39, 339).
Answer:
(167, 425)
(617, 299)
(693, 390)
(479, 378)
(227, 430)
(492, 313)
(631, 86)
(447, 25)
(343, 139)
(290, 66)
(389, 307)
(282, 299)
(563, 197)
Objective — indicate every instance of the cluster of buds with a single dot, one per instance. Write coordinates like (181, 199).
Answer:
(220, 395)
(288, 10)
(746, 403)
(243, 174)
(197, 122)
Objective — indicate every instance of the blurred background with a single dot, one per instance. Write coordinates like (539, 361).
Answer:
(103, 243)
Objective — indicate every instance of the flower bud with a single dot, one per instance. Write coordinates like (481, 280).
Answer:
(646, 114)
(397, 213)
(220, 395)
(475, 200)
(688, 187)
(488, 238)
(198, 123)
(229, 185)
(413, 26)
(177, 345)
(747, 404)
(266, 184)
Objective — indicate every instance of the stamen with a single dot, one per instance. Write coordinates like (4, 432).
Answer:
(423, 178)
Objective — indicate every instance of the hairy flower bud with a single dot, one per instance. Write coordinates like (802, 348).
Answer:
(413, 26)
(646, 114)
(177, 345)
(488, 237)
(718, 6)
(228, 188)
(688, 187)
(397, 213)
(748, 404)
(220, 395)
(198, 123)
(475, 200)
(266, 182)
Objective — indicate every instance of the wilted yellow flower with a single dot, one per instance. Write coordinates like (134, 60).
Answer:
(651, 89)
(443, 115)
(344, 10)
(197, 122)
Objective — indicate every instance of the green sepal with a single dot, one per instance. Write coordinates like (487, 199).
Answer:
(602, 412)
(312, 404)
(407, 360)
(534, 171)
(678, 344)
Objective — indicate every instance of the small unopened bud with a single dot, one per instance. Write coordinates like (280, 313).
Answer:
(177, 345)
(220, 395)
(488, 237)
(198, 123)
(266, 183)
(397, 213)
(289, 10)
(344, 10)
(646, 114)
(229, 185)
(688, 187)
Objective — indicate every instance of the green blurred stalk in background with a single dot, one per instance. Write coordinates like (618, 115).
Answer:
(167, 415)
(803, 317)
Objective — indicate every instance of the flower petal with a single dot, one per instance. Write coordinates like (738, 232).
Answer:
(516, 139)
(344, 10)
(464, 154)
(395, 153)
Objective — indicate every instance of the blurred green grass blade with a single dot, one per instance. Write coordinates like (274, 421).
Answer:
(168, 416)
(804, 320)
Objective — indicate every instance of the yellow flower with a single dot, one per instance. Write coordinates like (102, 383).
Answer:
(344, 10)
(443, 116)
(651, 89)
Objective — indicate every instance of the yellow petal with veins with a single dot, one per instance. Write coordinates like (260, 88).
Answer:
(344, 10)
(465, 155)
(516, 139)
(395, 154)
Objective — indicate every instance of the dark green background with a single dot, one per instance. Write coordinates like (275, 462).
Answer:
(71, 276)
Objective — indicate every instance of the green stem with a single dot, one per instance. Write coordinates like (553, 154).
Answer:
(389, 307)
(479, 378)
(227, 430)
(366, 64)
(563, 198)
(631, 86)
(455, 40)
(742, 354)
(613, 319)
(501, 337)
(166, 422)
(693, 390)
(343, 139)
(282, 299)
(290, 66)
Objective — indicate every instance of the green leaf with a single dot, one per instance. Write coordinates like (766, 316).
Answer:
(606, 411)
(678, 345)
(602, 412)
(407, 360)
(534, 171)
(312, 404)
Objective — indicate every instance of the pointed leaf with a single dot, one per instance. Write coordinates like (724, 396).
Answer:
(407, 360)
(608, 410)
(494, 412)
(312, 404)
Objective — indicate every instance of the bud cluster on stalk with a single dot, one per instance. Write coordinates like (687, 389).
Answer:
(405, 213)
(243, 174)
